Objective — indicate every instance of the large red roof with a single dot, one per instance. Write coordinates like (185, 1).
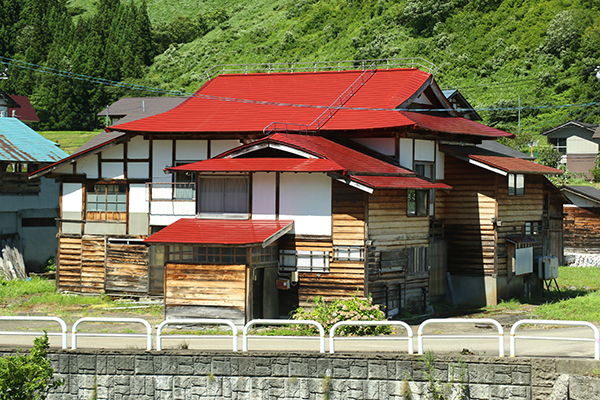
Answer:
(248, 103)
(221, 232)
(261, 165)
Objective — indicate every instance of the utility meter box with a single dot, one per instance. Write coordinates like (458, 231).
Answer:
(548, 268)
(283, 284)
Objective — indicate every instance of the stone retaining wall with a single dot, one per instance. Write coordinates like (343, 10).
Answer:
(190, 375)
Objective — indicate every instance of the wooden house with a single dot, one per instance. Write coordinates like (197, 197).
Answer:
(28, 207)
(501, 215)
(582, 220)
(115, 192)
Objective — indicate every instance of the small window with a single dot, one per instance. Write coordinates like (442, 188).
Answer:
(348, 253)
(107, 202)
(305, 260)
(207, 255)
(416, 202)
(532, 228)
(516, 184)
(560, 144)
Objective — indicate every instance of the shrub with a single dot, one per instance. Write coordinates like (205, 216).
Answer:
(353, 309)
(27, 377)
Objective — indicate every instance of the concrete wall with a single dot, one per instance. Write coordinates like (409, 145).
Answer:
(187, 374)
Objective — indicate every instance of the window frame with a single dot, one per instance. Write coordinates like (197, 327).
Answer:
(513, 185)
(235, 214)
(106, 215)
(419, 209)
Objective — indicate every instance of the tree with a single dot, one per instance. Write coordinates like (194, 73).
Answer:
(28, 377)
(548, 156)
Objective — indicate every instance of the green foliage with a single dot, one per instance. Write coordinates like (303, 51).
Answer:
(437, 390)
(28, 377)
(596, 170)
(548, 156)
(353, 309)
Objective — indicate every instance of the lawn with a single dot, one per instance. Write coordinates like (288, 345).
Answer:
(70, 141)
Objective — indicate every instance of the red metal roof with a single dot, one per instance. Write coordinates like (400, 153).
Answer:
(26, 112)
(248, 103)
(398, 182)
(261, 165)
(220, 231)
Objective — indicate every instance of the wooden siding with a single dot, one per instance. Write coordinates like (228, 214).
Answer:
(69, 264)
(467, 211)
(392, 233)
(205, 285)
(348, 215)
(17, 183)
(126, 268)
(582, 228)
(92, 264)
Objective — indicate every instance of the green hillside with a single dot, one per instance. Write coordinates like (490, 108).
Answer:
(541, 53)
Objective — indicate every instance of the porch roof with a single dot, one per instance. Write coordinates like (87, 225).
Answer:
(398, 182)
(261, 165)
(221, 232)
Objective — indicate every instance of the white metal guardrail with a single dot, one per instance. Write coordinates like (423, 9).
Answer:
(209, 321)
(513, 335)
(62, 324)
(409, 332)
(283, 322)
(147, 335)
(461, 321)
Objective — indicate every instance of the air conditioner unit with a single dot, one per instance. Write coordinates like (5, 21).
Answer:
(548, 267)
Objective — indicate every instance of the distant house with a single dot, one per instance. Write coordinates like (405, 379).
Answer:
(7, 104)
(28, 207)
(328, 173)
(577, 143)
(129, 109)
(582, 220)
(459, 102)
(25, 112)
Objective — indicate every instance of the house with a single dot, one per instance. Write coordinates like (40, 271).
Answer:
(582, 223)
(347, 204)
(24, 112)
(29, 208)
(576, 142)
(129, 109)
(500, 216)
(7, 104)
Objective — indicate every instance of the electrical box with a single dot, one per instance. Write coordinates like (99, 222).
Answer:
(548, 267)
(294, 276)
(283, 284)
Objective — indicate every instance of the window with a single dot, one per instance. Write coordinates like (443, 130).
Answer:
(532, 228)
(207, 255)
(107, 202)
(223, 195)
(560, 144)
(184, 187)
(38, 222)
(348, 253)
(516, 184)
(305, 260)
(416, 202)
(267, 255)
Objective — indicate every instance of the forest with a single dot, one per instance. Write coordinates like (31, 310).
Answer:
(525, 65)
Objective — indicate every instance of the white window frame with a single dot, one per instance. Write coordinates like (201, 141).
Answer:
(516, 185)
(311, 261)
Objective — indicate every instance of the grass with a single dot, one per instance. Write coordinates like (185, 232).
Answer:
(70, 141)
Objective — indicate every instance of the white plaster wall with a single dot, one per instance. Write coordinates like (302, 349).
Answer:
(263, 195)
(89, 166)
(219, 146)
(383, 145)
(306, 199)
(72, 200)
(424, 150)
(138, 200)
(191, 150)
(406, 153)
(115, 152)
(113, 170)
(137, 170)
(138, 148)
(162, 155)
(580, 145)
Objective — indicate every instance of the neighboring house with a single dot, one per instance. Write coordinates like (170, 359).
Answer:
(28, 207)
(7, 104)
(576, 142)
(459, 102)
(25, 112)
(582, 220)
(500, 216)
(129, 109)
(339, 220)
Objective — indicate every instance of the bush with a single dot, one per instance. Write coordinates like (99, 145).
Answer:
(27, 377)
(353, 309)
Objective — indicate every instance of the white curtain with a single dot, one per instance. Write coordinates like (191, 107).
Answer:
(223, 195)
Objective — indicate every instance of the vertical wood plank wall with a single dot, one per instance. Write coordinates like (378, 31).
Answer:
(126, 268)
(467, 211)
(391, 231)
(92, 264)
(69, 264)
